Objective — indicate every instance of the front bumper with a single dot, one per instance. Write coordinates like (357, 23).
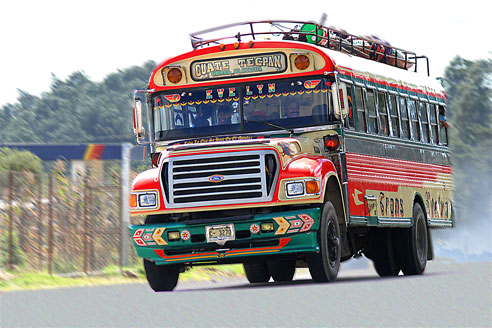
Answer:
(294, 232)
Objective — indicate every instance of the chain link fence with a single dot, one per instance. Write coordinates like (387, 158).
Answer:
(49, 222)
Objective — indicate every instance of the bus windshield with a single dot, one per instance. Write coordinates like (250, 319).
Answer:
(244, 108)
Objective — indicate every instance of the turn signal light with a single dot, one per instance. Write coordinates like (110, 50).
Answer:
(312, 187)
(133, 200)
(301, 62)
(174, 75)
(332, 142)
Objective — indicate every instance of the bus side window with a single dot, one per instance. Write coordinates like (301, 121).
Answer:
(349, 120)
(371, 111)
(433, 123)
(404, 118)
(414, 121)
(424, 121)
(443, 129)
(393, 110)
(359, 105)
(383, 114)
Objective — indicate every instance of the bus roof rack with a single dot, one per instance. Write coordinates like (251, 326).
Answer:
(368, 47)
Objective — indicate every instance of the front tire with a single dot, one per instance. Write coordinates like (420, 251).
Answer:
(324, 265)
(161, 277)
(282, 270)
(256, 272)
(413, 244)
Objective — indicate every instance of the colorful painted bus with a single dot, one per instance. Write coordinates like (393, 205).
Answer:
(289, 145)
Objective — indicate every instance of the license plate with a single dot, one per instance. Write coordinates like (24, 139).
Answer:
(220, 233)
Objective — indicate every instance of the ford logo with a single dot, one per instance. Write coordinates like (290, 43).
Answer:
(216, 178)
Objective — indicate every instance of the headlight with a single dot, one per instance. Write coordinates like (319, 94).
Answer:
(295, 188)
(147, 200)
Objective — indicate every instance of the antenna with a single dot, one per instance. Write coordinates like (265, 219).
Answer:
(323, 19)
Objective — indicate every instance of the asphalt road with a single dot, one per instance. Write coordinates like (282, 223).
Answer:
(447, 295)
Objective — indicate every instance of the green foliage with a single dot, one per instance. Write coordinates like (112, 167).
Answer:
(18, 257)
(76, 110)
(469, 88)
(19, 160)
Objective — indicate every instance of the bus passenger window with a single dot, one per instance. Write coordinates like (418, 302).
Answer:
(404, 118)
(349, 121)
(414, 122)
(443, 126)
(433, 123)
(383, 114)
(394, 115)
(359, 104)
(371, 109)
(424, 121)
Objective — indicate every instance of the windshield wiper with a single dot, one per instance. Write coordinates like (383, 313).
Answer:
(291, 131)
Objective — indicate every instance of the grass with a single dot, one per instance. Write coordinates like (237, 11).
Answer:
(19, 280)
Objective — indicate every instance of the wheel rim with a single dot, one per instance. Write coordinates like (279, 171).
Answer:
(333, 243)
(421, 241)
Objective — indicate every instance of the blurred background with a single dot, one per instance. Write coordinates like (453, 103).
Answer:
(68, 71)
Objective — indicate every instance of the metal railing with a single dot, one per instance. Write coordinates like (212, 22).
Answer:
(50, 224)
(368, 47)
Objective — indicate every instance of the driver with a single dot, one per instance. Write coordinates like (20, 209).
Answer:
(224, 115)
(204, 112)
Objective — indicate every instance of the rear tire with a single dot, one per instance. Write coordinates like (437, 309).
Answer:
(324, 265)
(256, 272)
(282, 270)
(161, 277)
(383, 252)
(413, 244)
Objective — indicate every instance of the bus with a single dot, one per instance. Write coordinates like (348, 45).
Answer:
(290, 145)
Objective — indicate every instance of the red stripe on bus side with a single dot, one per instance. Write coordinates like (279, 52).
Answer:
(409, 165)
(373, 169)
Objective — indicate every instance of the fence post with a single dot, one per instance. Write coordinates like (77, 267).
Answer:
(86, 228)
(11, 221)
(125, 195)
(40, 223)
(90, 224)
(50, 224)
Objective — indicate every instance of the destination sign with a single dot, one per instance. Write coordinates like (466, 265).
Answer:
(238, 66)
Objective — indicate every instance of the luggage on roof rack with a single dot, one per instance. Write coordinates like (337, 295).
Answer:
(368, 47)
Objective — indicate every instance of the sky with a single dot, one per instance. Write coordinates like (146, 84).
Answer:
(45, 38)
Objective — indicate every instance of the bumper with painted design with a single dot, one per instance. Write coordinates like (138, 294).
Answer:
(293, 232)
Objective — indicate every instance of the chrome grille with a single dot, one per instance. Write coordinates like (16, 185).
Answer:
(246, 178)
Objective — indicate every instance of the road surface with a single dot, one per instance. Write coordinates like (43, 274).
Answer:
(447, 295)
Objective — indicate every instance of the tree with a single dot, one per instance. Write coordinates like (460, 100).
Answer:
(469, 89)
(76, 110)
(20, 161)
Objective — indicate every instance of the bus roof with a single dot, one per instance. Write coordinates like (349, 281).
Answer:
(352, 65)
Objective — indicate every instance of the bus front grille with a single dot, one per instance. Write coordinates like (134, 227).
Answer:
(217, 179)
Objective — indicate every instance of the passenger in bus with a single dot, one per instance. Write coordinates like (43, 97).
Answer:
(292, 108)
(442, 117)
(224, 114)
(204, 113)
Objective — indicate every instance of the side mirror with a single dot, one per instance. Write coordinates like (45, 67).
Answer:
(340, 100)
(138, 128)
